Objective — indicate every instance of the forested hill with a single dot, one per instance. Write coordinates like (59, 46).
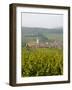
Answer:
(35, 30)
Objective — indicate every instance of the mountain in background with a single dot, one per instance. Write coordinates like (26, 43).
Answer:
(35, 30)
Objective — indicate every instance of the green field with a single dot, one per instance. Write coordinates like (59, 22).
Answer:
(54, 36)
(41, 62)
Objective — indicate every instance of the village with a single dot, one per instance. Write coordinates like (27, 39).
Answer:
(48, 44)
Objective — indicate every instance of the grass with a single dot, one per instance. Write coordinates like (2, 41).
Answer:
(41, 62)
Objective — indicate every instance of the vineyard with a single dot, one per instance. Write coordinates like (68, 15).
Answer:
(41, 62)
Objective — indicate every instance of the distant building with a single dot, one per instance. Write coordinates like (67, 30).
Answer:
(50, 44)
(37, 41)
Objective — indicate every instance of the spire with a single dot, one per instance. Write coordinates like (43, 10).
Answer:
(37, 41)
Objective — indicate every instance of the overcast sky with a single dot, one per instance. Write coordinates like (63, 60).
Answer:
(42, 20)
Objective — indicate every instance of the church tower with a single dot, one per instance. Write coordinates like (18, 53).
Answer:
(37, 41)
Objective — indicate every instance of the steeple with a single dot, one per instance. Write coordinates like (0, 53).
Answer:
(37, 41)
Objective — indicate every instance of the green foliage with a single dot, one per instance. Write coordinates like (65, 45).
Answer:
(42, 62)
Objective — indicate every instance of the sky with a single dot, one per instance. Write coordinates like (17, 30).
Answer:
(42, 20)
